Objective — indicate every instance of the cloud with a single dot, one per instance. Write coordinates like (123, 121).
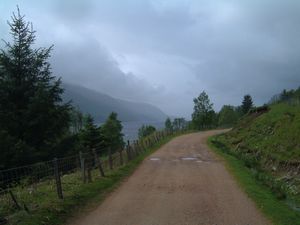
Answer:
(91, 65)
(166, 52)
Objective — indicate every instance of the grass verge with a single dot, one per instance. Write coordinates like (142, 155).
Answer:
(79, 198)
(276, 210)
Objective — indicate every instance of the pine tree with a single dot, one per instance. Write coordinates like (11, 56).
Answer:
(111, 132)
(31, 110)
(247, 104)
(90, 135)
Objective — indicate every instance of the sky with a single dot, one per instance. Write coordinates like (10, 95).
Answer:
(166, 52)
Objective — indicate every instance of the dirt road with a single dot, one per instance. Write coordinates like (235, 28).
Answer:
(183, 183)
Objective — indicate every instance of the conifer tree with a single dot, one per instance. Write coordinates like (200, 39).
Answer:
(32, 115)
(111, 132)
(247, 103)
(90, 135)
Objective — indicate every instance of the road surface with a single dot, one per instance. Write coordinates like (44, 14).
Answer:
(183, 183)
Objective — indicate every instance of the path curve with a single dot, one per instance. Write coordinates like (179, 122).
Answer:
(183, 183)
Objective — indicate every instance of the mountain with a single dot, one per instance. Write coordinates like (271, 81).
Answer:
(100, 105)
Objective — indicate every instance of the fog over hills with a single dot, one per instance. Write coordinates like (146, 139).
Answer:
(99, 105)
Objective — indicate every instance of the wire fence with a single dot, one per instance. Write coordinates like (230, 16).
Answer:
(22, 188)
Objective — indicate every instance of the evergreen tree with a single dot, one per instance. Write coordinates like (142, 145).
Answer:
(203, 115)
(90, 135)
(168, 125)
(111, 132)
(32, 115)
(247, 104)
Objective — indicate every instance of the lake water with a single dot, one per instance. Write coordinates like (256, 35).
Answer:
(130, 129)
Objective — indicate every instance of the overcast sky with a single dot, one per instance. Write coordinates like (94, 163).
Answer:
(166, 52)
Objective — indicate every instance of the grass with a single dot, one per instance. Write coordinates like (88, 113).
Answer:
(46, 208)
(274, 134)
(275, 209)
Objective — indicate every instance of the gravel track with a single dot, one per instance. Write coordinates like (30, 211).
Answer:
(183, 183)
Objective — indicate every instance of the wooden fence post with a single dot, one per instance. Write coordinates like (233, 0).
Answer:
(110, 159)
(84, 170)
(81, 157)
(83, 166)
(121, 156)
(128, 150)
(89, 174)
(57, 179)
(138, 147)
(14, 199)
(136, 153)
(98, 162)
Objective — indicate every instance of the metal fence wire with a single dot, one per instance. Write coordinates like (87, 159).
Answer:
(21, 188)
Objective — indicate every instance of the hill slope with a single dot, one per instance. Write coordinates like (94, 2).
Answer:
(99, 105)
(269, 144)
(275, 134)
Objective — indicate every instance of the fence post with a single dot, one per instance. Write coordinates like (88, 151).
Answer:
(82, 164)
(14, 199)
(144, 144)
(84, 170)
(98, 162)
(135, 148)
(121, 156)
(110, 159)
(138, 147)
(89, 172)
(128, 150)
(57, 179)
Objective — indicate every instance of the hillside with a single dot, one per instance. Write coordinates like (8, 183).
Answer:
(274, 135)
(99, 105)
(268, 143)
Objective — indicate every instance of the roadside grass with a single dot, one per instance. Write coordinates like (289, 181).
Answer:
(46, 208)
(275, 209)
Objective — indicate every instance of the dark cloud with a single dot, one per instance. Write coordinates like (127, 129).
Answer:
(167, 51)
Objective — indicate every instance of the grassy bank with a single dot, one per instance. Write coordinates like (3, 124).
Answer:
(266, 200)
(78, 197)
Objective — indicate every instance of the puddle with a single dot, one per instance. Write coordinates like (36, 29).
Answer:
(189, 158)
(154, 159)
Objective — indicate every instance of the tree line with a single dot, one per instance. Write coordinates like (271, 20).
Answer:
(205, 117)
